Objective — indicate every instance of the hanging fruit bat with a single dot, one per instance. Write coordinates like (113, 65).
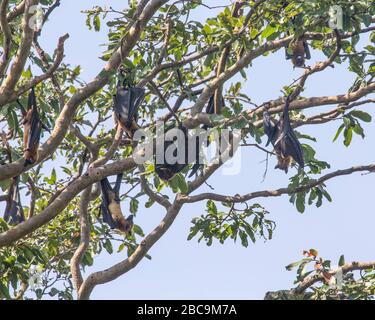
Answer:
(165, 170)
(126, 103)
(210, 109)
(110, 207)
(32, 131)
(284, 140)
(14, 212)
(300, 51)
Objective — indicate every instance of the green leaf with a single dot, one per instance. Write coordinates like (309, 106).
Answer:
(193, 233)
(108, 246)
(96, 23)
(268, 31)
(4, 291)
(250, 232)
(121, 247)
(293, 265)
(364, 116)
(300, 202)
(138, 230)
(359, 130)
(53, 177)
(338, 132)
(211, 207)
(341, 260)
(182, 184)
(134, 203)
(348, 133)
(243, 237)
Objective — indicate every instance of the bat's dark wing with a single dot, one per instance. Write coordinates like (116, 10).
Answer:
(210, 109)
(104, 207)
(200, 139)
(14, 212)
(118, 185)
(270, 129)
(31, 99)
(167, 170)
(289, 144)
(23, 111)
(197, 165)
(294, 148)
(137, 95)
(194, 169)
(122, 101)
(307, 50)
(283, 125)
(127, 102)
(35, 129)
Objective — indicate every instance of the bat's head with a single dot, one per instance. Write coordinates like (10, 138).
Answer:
(164, 172)
(28, 162)
(299, 61)
(283, 163)
(127, 225)
(282, 167)
(30, 157)
(130, 128)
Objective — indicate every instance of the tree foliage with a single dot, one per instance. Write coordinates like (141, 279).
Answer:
(178, 58)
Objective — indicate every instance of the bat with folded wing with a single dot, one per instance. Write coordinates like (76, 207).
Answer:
(126, 103)
(110, 207)
(32, 131)
(13, 211)
(284, 140)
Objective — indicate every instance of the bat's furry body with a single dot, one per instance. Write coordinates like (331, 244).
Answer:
(300, 52)
(126, 104)
(166, 170)
(110, 207)
(32, 131)
(284, 140)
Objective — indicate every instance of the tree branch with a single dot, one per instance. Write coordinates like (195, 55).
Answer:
(331, 115)
(7, 38)
(123, 267)
(275, 193)
(63, 121)
(17, 11)
(63, 199)
(111, 151)
(59, 57)
(310, 281)
(152, 195)
(22, 54)
(234, 69)
(85, 239)
(320, 66)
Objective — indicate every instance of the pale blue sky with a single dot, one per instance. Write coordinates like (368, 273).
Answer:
(181, 269)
